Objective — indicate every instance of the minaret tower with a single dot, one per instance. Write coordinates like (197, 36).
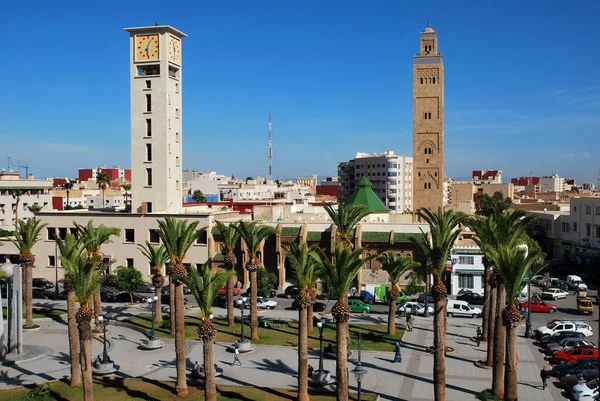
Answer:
(428, 124)
(156, 113)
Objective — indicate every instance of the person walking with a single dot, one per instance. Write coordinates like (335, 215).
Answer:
(236, 357)
(409, 321)
(397, 353)
(544, 377)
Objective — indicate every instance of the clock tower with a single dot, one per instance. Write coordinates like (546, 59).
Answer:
(428, 124)
(156, 113)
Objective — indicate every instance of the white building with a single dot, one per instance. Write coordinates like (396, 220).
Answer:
(390, 175)
(551, 183)
(110, 202)
(156, 113)
(467, 264)
(18, 194)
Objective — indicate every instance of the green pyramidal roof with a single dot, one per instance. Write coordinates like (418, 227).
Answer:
(364, 195)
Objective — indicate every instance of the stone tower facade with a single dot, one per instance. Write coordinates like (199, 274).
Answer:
(428, 124)
(156, 116)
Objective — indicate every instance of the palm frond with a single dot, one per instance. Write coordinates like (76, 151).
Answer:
(178, 236)
(205, 283)
(303, 265)
(27, 234)
(230, 234)
(253, 234)
(157, 255)
(84, 275)
(397, 266)
(513, 263)
(70, 247)
(94, 237)
(346, 217)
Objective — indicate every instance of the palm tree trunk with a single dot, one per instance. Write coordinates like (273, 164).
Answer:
(302, 355)
(28, 296)
(230, 313)
(253, 307)
(499, 344)
(181, 386)
(210, 385)
(510, 367)
(73, 341)
(392, 317)
(172, 305)
(97, 310)
(491, 324)
(439, 353)
(309, 319)
(486, 307)
(157, 307)
(341, 361)
(85, 344)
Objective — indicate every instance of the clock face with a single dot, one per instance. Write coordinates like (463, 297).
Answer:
(146, 47)
(174, 50)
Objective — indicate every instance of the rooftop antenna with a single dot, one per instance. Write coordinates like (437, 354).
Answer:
(270, 148)
(428, 24)
(8, 159)
(26, 167)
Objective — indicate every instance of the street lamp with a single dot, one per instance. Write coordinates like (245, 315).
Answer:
(320, 325)
(359, 371)
(151, 301)
(104, 321)
(242, 305)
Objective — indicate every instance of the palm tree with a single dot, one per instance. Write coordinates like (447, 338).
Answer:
(337, 276)
(93, 238)
(205, 284)
(253, 234)
(177, 237)
(103, 181)
(126, 188)
(35, 208)
(396, 267)
(70, 250)
(345, 218)
(305, 270)
(27, 235)
(435, 248)
(85, 276)
(17, 193)
(157, 257)
(231, 237)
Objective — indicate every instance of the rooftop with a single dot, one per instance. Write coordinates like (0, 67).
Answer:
(364, 195)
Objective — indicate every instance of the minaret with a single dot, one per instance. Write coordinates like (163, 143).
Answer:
(428, 124)
(156, 113)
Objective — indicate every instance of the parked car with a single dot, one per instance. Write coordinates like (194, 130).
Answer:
(559, 325)
(585, 305)
(223, 291)
(585, 391)
(291, 291)
(554, 293)
(558, 337)
(317, 306)
(537, 280)
(221, 301)
(566, 343)
(62, 295)
(165, 290)
(573, 353)
(357, 305)
(41, 283)
(539, 306)
(461, 308)
(109, 281)
(576, 283)
(271, 294)
(573, 368)
(146, 288)
(563, 342)
(472, 298)
(556, 283)
(166, 299)
(42, 293)
(264, 303)
(568, 381)
(124, 297)
(108, 294)
(413, 308)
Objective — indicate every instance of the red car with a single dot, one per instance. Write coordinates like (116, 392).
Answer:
(223, 291)
(539, 306)
(573, 353)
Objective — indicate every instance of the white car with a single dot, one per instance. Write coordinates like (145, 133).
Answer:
(557, 326)
(585, 391)
(414, 308)
(263, 303)
(554, 293)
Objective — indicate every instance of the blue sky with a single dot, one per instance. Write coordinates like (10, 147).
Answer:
(522, 91)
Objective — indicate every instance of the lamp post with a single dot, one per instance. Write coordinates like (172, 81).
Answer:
(151, 301)
(104, 321)
(359, 371)
(242, 305)
(320, 325)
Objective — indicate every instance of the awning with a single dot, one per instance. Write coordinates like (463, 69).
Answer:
(466, 271)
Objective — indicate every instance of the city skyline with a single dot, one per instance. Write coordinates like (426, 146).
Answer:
(337, 81)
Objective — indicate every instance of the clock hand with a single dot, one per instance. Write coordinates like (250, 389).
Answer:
(148, 45)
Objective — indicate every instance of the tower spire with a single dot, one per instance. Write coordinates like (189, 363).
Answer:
(428, 24)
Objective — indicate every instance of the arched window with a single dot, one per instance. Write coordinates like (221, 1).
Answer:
(433, 79)
(421, 81)
(425, 186)
(369, 263)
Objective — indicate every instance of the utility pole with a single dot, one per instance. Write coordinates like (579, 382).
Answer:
(270, 148)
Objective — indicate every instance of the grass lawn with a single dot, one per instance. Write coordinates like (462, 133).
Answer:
(119, 389)
(40, 313)
(373, 337)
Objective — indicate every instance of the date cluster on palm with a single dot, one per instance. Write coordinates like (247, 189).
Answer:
(83, 318)
(253, 264)
(206, 330)
(511, 315)
(230, 259)
(158, 280)
(340, 312)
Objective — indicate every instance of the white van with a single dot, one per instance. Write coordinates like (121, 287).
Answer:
(576, 283)
(461, 308)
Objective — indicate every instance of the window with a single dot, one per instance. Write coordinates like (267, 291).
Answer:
(597, 210)
(149, 103)
(176, 88)
(154, 238)
(421, 81)
(574, 227)
(466, 281)
(50, 233)
(565, 227)
(148, 152)
(176, 113)
(173, 72)
(177, 160)
(129, 235)
(588, 209)
(202, 238)
(51, 260)
(588, 230)
(169, 97)
(427, 161)
(433, 82)
(62, 232)
(149, 207)
(177, 184)
(169, 123)
(129, 262)
(147, 70)
(149, 177)
(597, 231)
(148, 84)
(148, 127)
(466, 260)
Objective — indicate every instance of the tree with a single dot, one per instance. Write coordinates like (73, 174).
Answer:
(17, 193)
(26, 236)
(435, 247)
(415, 285)
(127, 188)
(305, 269)
(70, 250)
(93, 238)
(129, 279)
(486, 204)
(198, 196)
(205, 284)
(231, 238)
(265, 281)
(396, 267)
(345, 218)
(157, 257)
(85, 275)
(338, 275)
(253, 234)
(249, 179)
(103, 181)
(177, 237)
(35, 208)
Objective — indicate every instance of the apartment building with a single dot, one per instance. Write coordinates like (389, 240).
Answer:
(17, 194)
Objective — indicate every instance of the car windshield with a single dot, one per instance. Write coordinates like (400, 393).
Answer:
(551, 325)
(592, 384)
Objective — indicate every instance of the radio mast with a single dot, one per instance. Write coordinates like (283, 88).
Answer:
(270, 148)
